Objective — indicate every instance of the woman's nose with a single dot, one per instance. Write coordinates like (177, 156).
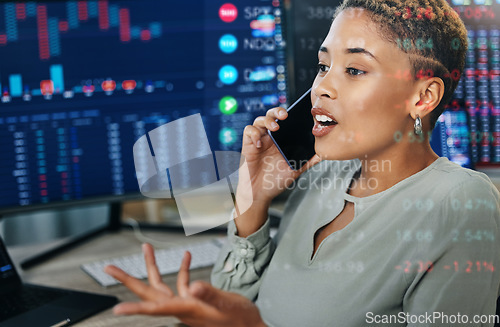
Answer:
(324, 87)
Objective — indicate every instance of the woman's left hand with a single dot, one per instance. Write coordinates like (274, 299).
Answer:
(197, 303)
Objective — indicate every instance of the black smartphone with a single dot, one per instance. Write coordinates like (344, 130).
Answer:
(294, 139)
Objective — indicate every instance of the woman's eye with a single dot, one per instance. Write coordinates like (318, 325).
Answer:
(354, 71)
(323, 68)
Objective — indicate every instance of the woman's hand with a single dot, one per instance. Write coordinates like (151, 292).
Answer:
(197, 303)
(269, 173)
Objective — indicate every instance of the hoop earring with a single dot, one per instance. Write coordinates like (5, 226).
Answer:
(417, 127)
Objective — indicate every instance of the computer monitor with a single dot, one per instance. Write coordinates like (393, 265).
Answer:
(81, 81)
(478, 92)
(468, 133)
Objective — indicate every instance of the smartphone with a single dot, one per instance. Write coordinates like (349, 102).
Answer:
(294, 139)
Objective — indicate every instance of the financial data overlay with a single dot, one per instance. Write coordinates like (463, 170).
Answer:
(81, 81)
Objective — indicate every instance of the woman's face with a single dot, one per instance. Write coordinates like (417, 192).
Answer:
(359, 86)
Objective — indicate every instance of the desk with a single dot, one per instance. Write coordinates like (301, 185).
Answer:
(64, 271)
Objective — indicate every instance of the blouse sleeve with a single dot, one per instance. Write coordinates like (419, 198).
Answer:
(242, 261)
(458, 281)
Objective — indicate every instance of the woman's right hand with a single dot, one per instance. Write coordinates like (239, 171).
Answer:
(268, 172)
(197, 303)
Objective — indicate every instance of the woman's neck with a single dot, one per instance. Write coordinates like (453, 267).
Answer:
(382, 171)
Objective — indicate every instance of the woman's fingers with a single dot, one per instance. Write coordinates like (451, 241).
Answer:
(149, 257)
(154, 276)
(183, 275)
(269, 120)
(262, 124)
(277, 113)
(254, 134)
(174, 307)
(271, 116)
(132, 308)
(142, 290)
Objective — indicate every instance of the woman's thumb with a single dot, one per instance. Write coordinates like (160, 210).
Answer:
(218, 298)
(204, 291)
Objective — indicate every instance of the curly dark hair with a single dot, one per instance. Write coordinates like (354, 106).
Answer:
(429, 31)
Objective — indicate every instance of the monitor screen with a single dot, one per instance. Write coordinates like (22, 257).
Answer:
(309, 23)
(469, 131)
(478, 92)
(81, 81)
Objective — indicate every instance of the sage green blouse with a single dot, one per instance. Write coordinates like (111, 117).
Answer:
(428, 247)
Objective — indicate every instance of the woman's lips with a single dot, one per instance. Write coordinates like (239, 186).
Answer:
(320, 129)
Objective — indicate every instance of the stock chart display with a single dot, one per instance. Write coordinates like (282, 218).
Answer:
(478, 92)
(81, 81)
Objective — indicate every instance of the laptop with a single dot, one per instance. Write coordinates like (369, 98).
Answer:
(31, 305)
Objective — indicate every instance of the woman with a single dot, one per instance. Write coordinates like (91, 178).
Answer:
(378, 229)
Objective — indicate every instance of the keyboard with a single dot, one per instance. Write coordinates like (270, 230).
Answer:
(203, 254)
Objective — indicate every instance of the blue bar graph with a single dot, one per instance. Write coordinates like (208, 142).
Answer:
(10, 21)
(155, 29)
(92, 7)
(54, 38)
(30, 9)
(16, 85)
(135, 32)
(72, 12)
(57, 77)
(114, 15)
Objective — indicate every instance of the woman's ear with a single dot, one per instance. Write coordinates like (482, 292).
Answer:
(430, 93)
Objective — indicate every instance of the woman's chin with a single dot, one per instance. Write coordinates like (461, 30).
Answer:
(334, 155)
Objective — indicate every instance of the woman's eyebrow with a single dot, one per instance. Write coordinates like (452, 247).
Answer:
(360, 50)
(351, 51)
